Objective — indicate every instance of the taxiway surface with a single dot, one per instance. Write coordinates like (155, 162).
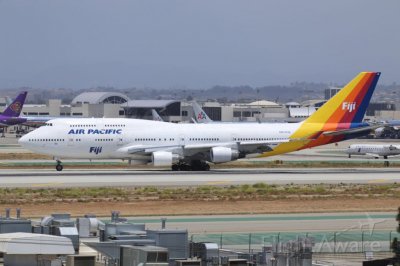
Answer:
(306, 222)
(163, 178)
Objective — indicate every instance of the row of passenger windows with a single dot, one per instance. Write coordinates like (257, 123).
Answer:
(154, 139)
(48, 124)
(62, 140)
(42, 140)
(171, 139)
(82, 125)
(95, 125)
(55, 140)
(204, 139)
(257, 139)
(115, 125)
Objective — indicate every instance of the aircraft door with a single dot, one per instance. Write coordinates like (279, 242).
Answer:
(181, 140)
(234, 137)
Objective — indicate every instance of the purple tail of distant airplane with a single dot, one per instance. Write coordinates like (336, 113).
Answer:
(14, 109)
(10, 116)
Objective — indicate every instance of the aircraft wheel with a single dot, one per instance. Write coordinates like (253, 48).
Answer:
(175, 167)
(200, 166)
(186, 167)
(59, 167)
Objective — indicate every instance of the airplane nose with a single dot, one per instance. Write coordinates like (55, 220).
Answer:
(23, 140)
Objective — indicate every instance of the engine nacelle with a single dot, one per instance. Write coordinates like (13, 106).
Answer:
(223, 155)
(163, 158)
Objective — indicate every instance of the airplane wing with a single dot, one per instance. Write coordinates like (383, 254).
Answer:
(241, 145)
(351, 130)
(244, 147)
(376, 156)
(147, 149)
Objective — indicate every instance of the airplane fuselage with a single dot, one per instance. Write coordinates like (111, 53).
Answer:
(6, 121)
(373, 149)
(191, 146)
(106, 138)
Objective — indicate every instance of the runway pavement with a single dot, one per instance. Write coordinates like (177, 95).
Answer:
(22, 177)
(163, 178)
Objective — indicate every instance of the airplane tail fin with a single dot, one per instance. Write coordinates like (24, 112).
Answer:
(350, 103)
(14, 109)
(200, 115)
(156, 116)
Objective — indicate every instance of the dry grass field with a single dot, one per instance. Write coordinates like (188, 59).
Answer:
(245, 199)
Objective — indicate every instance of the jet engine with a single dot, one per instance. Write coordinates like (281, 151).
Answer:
(223, 154)
(164, 158)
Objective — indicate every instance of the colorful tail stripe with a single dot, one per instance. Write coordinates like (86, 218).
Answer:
(343, 111)
(350, 103)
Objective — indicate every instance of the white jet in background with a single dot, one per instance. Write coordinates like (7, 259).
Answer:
(374, 150)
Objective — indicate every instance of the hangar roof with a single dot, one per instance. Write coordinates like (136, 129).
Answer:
(94, 97)
(148, 103)
(27, 243)
(292, 104)
(263, 103)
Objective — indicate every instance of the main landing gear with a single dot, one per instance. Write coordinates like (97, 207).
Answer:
(59, 166)
(386, 163)
(193, 166)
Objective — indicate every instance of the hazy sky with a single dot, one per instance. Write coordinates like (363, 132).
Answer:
(195, 43)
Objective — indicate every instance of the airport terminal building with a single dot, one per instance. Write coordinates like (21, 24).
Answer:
(118, 105)
(87, 104)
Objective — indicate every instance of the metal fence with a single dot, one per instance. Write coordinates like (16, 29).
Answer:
(323, 242)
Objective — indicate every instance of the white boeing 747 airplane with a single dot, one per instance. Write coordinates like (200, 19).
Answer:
(193, 146)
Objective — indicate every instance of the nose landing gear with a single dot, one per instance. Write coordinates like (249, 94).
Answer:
(59, 166)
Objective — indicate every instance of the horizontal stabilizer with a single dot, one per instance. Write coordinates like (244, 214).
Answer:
(351, 131)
